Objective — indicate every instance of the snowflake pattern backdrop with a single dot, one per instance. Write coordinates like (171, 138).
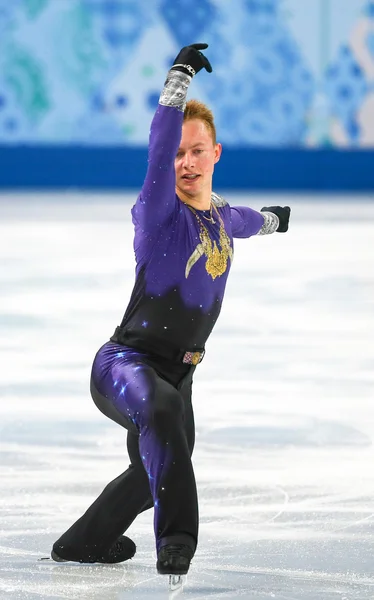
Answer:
(91, 71)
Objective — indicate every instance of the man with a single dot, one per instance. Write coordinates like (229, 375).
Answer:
(142, 377)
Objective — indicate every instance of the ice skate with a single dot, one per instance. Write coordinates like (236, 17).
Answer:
(176, 584)
(174, 560)
(123, 549)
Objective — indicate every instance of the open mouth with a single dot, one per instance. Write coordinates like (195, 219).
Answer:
(190, 177)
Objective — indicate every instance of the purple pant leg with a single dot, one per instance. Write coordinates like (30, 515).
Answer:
(162, 415)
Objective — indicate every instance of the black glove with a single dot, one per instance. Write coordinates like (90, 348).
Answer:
(283, 214)
(190, 60)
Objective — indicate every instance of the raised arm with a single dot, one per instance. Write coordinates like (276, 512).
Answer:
(246, 222)
(157, 199)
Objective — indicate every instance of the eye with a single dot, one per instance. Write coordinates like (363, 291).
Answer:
(198, 151)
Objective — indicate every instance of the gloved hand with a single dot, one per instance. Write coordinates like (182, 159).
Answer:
(283, 214)
(190, 60)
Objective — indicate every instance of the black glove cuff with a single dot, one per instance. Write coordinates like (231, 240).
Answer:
(187, 69)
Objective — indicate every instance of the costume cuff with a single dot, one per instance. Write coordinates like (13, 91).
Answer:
(271, 223)
(175, 90)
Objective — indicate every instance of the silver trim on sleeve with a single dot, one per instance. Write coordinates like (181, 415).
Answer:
(218, 200)
(175, 90)
(271, 223)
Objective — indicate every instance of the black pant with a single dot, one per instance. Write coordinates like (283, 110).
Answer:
(164, 425)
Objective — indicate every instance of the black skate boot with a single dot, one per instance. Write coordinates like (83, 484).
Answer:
(123, 549)
(174, 559)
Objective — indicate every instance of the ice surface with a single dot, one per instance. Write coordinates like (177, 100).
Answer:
(284, 404)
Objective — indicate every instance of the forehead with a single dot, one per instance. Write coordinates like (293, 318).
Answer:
(194, 131)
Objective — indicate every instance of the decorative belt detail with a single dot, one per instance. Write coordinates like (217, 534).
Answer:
(155, 347)
(193, 358)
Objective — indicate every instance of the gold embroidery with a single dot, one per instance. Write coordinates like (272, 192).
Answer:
(216, 263)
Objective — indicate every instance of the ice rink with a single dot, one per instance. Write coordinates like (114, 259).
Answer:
(284, 404)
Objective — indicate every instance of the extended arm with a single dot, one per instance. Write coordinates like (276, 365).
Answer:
(246, 222)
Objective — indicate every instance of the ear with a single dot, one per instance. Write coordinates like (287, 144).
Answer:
(217, 152)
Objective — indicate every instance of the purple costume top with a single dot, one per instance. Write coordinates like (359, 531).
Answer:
(182, 259)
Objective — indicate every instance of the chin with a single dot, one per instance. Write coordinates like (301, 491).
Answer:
(186, 192)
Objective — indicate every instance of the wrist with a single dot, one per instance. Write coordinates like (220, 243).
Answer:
(183, 68)
(175, 89)
(271, 223)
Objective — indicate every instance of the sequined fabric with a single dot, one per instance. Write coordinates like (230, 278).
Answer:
(218, 200)
(271, 223)
(175, 90)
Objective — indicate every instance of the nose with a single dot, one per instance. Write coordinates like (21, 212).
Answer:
(188, 160)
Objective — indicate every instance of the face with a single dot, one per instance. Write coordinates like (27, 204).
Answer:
(195, 160)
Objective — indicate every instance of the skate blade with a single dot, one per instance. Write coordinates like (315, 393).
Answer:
(58, 560)
(177, 583)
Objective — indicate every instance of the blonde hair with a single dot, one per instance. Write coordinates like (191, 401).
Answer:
(197, 110)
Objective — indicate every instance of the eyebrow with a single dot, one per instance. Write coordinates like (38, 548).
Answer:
(194, 146)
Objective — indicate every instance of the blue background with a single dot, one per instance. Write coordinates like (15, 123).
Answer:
(292, 90)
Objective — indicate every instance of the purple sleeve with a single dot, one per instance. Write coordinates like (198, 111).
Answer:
(245, 221)
(157, 199)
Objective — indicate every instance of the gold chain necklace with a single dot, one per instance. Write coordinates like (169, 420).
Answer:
(216, 263)
(210, 218)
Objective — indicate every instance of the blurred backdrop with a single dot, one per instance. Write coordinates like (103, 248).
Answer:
(292, 90)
